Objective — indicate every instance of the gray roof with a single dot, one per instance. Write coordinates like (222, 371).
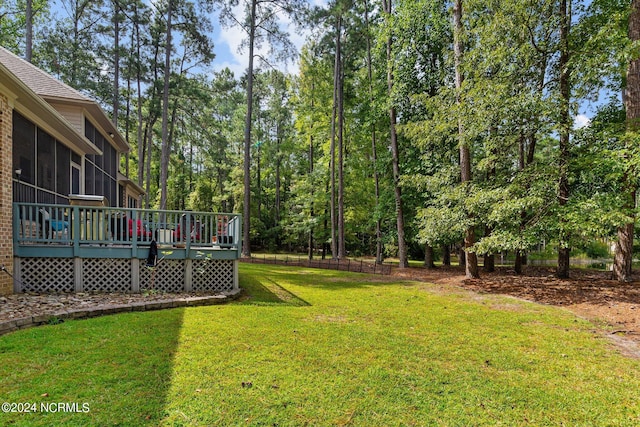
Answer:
(31, 102)
(54, 91)
(39, 81)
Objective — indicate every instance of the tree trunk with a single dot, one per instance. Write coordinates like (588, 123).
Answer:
(166, 141)
(395, 155)
(428, 257)
(326, 229)
(258, 157)
(28, 54)
(127, 125)
(565, 129)
(489, 263)
(278, 181)
(148, 164)
(471, 265)
(462, 256)
(622, 264)
(517, 265)
(312, 214)
(374, 149)
(446, 255)
(489, 259)
(332, 148)
(139, 136)
(523, 214)
(342, 250)
(246, 211)
(151, 121)
(75, 46)
(116, 62)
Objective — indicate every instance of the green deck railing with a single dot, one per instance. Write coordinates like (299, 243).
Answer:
(50, 230)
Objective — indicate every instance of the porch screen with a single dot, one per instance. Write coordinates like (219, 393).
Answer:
(63, 169)
(24, 148)
(101, 171)
(46, 161)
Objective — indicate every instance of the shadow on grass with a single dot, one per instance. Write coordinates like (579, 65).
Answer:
(112, 370)
(266, 291)
(265, 276)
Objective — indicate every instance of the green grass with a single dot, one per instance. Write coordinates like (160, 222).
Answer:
(315, 347)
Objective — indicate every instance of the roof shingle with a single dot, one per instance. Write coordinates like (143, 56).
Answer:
(39, 81)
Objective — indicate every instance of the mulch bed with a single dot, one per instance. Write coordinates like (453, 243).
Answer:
(588, 293)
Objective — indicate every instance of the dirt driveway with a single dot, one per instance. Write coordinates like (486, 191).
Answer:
(588, 293)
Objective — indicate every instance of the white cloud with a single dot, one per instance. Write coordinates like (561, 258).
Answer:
(228, 42)
(581, 121)
(236, 68)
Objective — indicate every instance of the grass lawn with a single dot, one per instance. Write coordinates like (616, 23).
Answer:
(321, 348)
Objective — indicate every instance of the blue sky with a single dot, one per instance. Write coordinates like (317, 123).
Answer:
(227, 41)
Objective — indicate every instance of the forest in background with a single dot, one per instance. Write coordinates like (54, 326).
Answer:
(411, 127)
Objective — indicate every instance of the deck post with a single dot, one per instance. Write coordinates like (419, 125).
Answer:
(77, 274)
(236, 285)
(239, 236)
(134, 234)
(135, 275)
(17, 276)
(188, 275)
(75, 230)
(187, 232)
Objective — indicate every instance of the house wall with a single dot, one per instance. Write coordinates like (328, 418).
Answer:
(6, 195)
(75, 115)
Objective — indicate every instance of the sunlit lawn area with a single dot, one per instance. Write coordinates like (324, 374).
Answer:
(321, 348)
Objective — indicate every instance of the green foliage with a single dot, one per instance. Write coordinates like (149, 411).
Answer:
(53, 320)
(508, 120)
(597, 250)
(507, 113)
(13, 22)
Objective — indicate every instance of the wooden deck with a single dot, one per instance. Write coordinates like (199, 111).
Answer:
(64, 248)
(64, 231)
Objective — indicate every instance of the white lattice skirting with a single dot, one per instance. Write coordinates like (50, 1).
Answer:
(56, 275)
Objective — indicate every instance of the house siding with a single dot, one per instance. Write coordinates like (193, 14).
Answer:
(6, 195)
(75, 115)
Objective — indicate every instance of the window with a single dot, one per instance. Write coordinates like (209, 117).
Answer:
(122, 195)
(75, 179)
(133, 202)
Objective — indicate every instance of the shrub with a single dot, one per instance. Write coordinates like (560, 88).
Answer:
(597, 249)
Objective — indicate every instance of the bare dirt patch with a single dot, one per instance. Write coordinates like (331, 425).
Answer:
(588, 293)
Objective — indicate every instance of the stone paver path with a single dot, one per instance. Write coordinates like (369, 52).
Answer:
(21, 311)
